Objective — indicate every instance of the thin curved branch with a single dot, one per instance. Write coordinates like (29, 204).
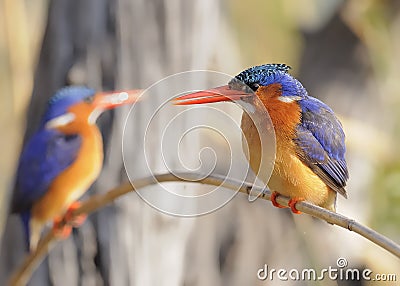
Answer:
(23, 273)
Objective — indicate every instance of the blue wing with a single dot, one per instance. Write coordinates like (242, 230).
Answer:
(320, 139)
(46, 155)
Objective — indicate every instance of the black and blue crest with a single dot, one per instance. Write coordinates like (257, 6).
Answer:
(258, 73)
(267, 74)
(320, 137)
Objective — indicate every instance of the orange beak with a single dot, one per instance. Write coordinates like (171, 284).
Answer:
(222, 93)
(112, 99)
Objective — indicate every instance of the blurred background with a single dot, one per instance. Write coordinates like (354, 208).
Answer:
(345, 53)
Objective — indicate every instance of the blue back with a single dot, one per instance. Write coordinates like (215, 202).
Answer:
(320, 137)
(321, 143)
(46, 154)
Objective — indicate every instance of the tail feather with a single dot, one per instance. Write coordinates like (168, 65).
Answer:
(33, 229)
(26, 217)
(35, 232)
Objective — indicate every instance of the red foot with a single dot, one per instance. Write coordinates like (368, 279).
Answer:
(274, 202)
(77, 220)
(68, 221)
(61, 231)
(292, 205)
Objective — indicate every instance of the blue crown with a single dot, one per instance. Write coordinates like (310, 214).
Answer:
(267, 74)
(64, 98)
(257, 73)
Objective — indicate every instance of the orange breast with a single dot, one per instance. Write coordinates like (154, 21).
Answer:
(76, 179)
(290, 177)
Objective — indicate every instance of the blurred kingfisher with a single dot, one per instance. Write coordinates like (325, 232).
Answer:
(63, 158)
(310, 148)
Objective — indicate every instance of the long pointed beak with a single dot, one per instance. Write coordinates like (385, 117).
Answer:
(218, 94)
(112, 99)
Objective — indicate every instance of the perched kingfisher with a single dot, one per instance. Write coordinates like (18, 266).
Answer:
(310, 143)
(63, 158)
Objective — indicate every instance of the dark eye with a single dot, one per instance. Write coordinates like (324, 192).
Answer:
(254, 86)
(242, 86)
(88, 99)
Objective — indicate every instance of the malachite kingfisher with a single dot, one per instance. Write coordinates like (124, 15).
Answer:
(310, 159)
(63, 158)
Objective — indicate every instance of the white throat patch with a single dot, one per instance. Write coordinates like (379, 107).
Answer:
(289, 99)
(94, 115)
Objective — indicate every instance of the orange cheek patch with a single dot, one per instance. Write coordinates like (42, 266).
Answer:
(284, 115)
(81, 111)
